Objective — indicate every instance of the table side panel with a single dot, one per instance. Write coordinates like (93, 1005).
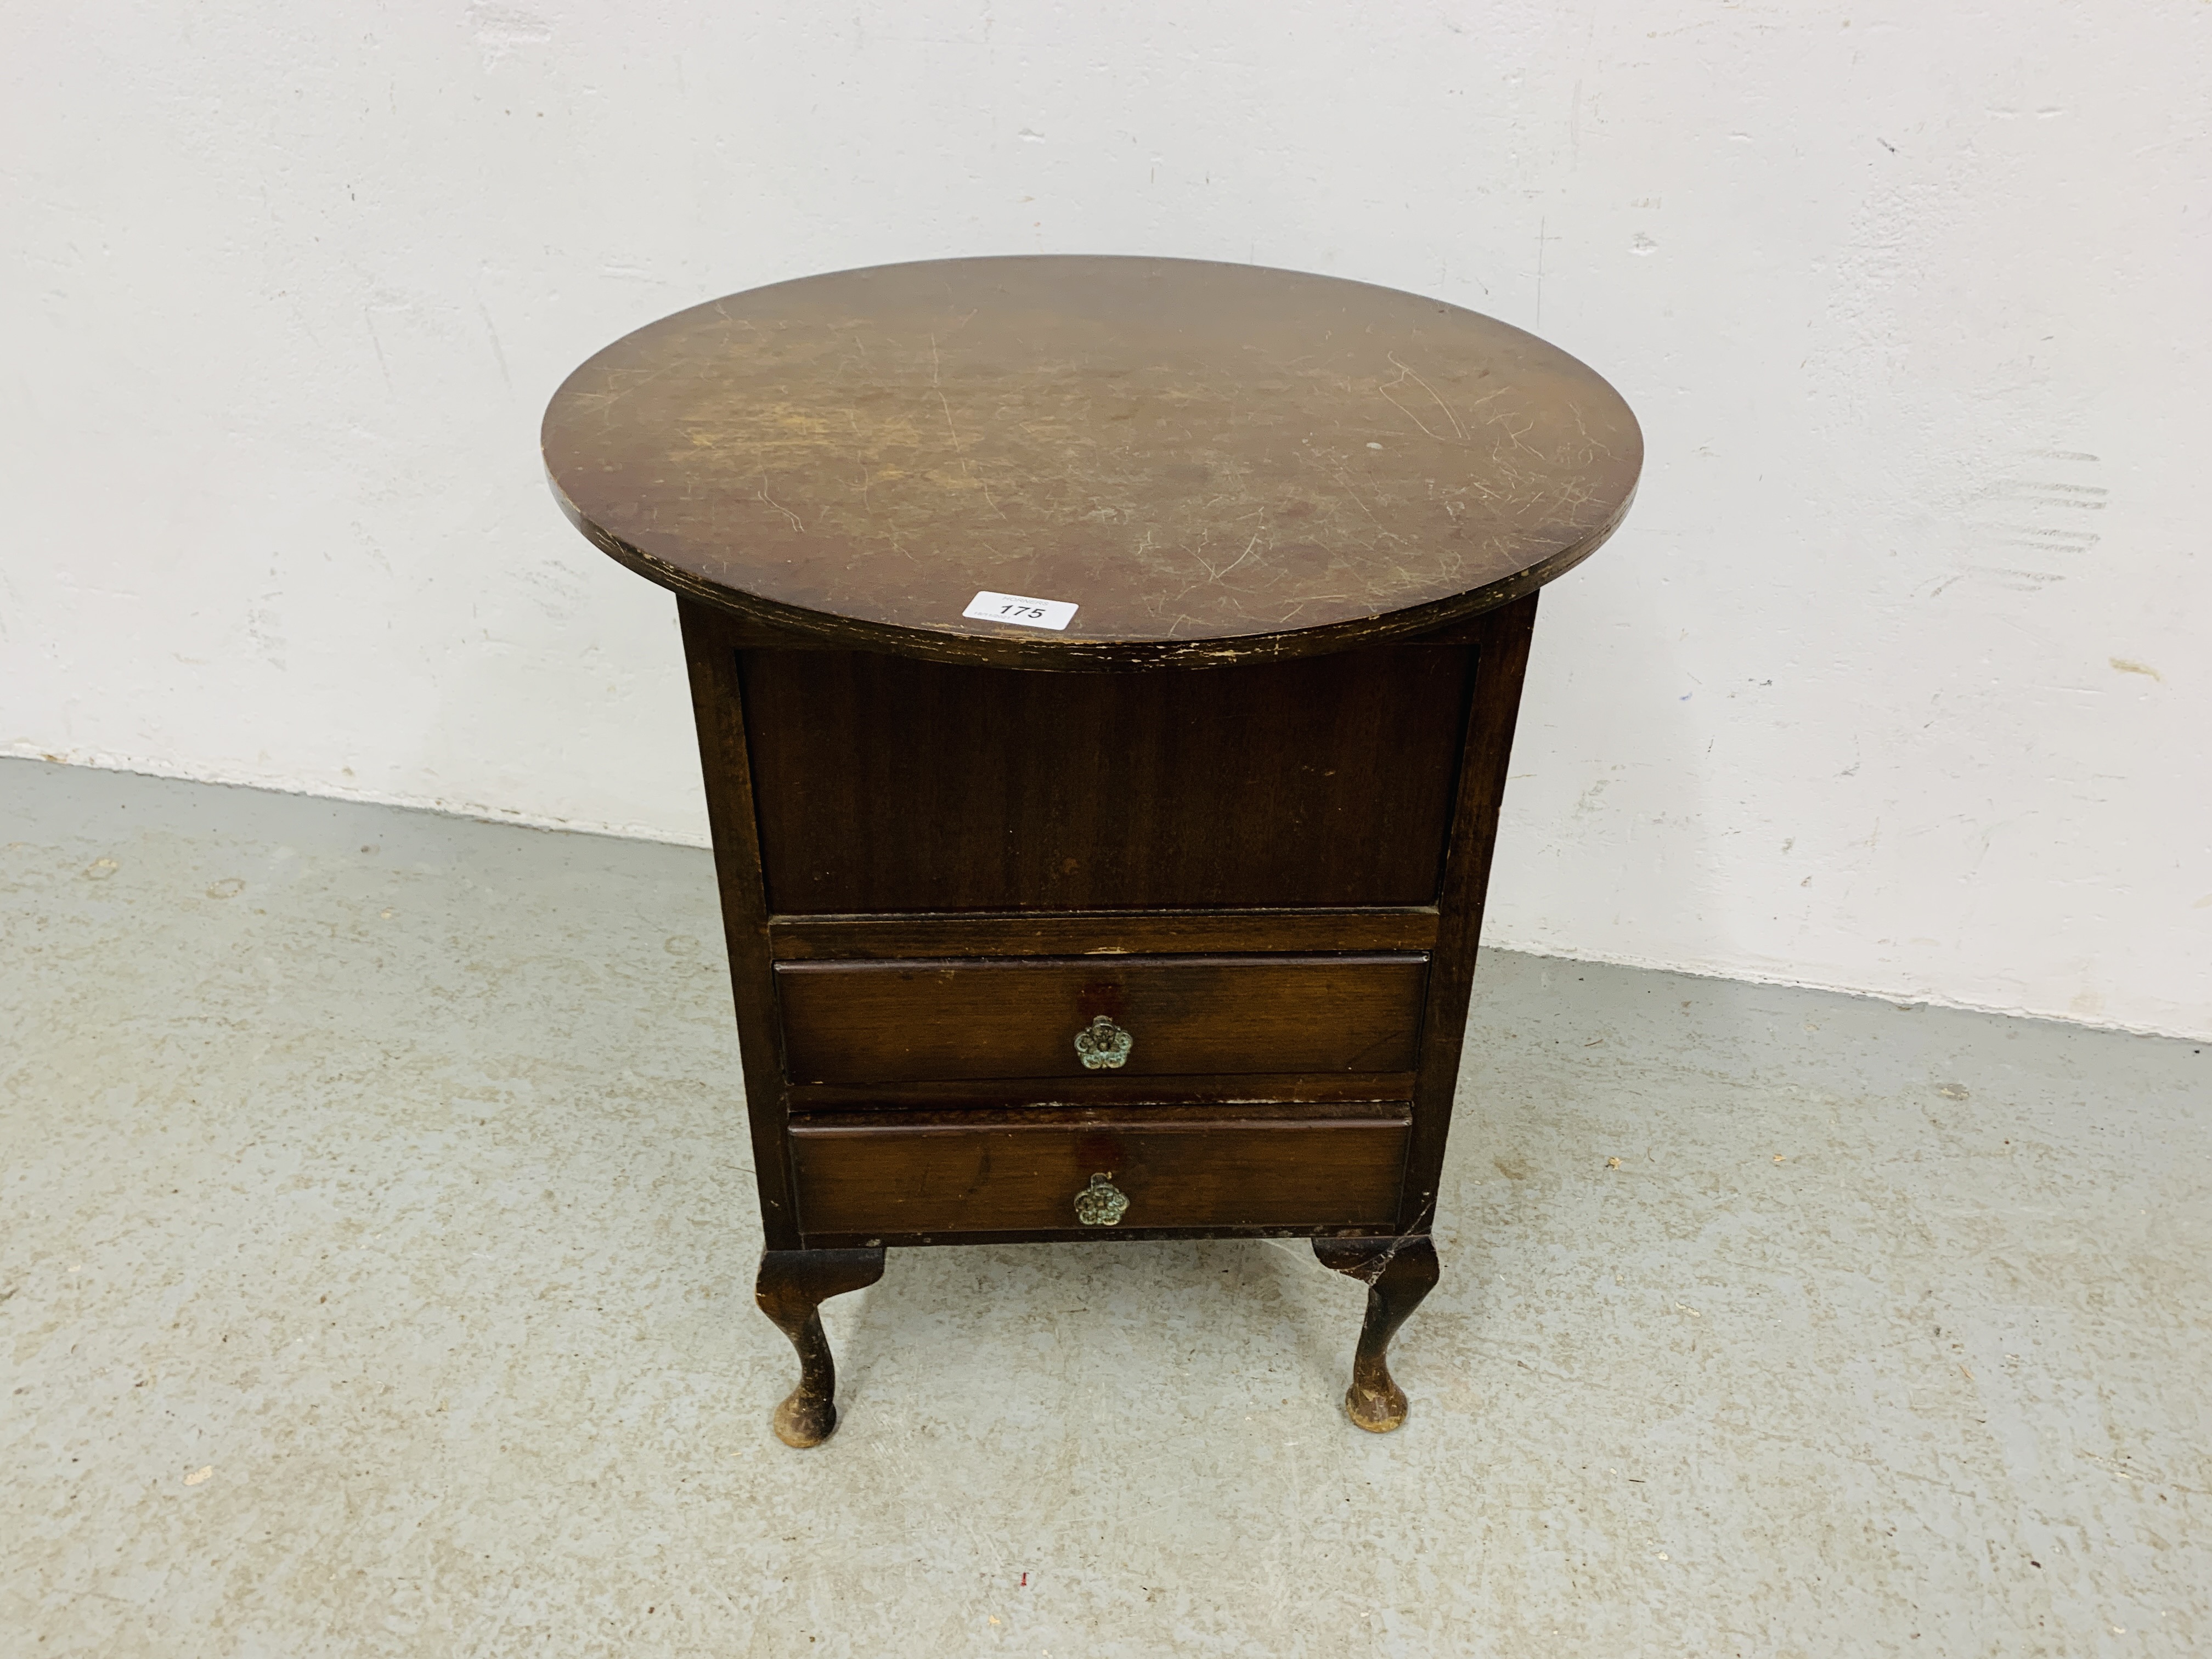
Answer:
(717, 702)
(1502, 661)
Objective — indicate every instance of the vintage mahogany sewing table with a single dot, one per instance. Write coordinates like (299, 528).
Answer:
(1105, 671)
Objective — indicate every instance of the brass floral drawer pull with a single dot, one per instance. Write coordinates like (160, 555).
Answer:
(1101, 1204)
(1103, 1044)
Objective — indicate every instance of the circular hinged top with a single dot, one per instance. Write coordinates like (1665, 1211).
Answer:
(1209, 462)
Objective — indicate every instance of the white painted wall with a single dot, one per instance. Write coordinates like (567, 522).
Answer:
(1896, 681)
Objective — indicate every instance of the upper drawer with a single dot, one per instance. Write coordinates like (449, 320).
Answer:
(856, 1022)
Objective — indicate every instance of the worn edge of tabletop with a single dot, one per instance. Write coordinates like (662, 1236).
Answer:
(1010, 649)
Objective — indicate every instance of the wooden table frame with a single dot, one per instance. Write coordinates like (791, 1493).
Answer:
(1105, 669)
(800, 1269)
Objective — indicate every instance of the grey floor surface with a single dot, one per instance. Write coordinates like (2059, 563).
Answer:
(377, 1244)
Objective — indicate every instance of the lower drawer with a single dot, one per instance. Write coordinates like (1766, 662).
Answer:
(1017, 1171)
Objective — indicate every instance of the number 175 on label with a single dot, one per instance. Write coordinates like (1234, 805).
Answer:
(1020, 610)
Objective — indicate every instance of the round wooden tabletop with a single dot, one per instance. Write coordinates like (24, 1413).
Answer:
(1064, 462)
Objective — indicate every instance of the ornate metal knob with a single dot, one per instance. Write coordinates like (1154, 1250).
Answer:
(1101, 1204)
(1103, 1044)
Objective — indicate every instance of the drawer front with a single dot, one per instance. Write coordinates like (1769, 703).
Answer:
(1183, 1016)
(1245, 1171)
(1327, 780)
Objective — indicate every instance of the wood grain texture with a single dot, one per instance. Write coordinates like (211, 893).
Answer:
(1315, 1167)
(1398, 1272)
(1215, 463)
(1501, 663)
(887, 784)
(1099, 933)
(1095, 1089)
(790, 1289)
(937, 866)
(753, 633)
(963, 1120)
(860, 1022)
(718, 708)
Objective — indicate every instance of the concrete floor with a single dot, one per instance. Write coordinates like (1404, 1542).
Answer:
(379, 1239)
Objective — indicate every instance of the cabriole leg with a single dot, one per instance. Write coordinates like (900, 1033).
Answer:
(1398, 1273)
(792, 1287)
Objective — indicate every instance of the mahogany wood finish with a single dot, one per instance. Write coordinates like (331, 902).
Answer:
(1110, 1089)
(1288, 1167)
(1095, 933)
(860, 1022)
(719, 714)
(1398, 1273)
(792, 1287)
(996, 789)
(1501, 658)
(1218, 464)
(1239, 809)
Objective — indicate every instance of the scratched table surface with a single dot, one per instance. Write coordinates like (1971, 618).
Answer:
(1210, 463)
